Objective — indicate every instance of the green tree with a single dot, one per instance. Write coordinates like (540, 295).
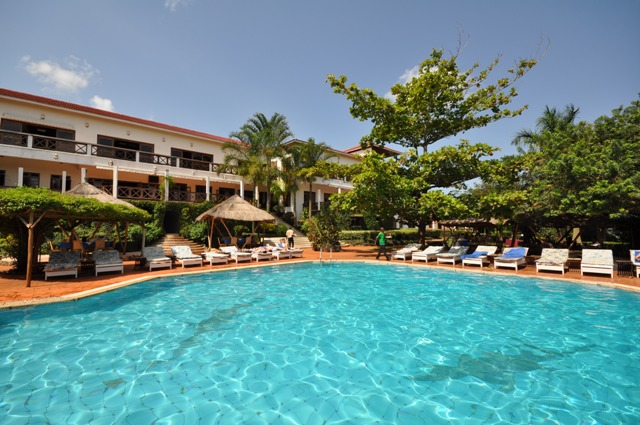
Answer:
(550, 121)
(591, 172)
(262, 142)
(29, 207)
(313, 158)
(441, 101)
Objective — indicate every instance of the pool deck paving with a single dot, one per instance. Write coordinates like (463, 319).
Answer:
(15, 293)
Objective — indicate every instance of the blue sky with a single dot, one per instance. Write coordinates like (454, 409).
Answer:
(210, 65)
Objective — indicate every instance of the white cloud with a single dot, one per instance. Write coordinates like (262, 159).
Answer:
(72, 76)
(407, 76)
(173, 4)
(101, 103)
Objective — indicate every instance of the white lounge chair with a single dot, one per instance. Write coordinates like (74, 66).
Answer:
(597, 261)
(62, 263)
(108, 261)
(480, 256)
(635, 263)
(216, 258)
(155, 257)
(512, 258)
(429, 253)
(235, 254)
(405, 253)
(280, 251)
(553, 259)
(261, 255)
(452, 256)
(295, 253)
(185, 256)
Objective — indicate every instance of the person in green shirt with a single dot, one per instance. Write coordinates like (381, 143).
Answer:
(381, 241)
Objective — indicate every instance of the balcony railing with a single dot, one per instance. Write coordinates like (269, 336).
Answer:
(72, 146)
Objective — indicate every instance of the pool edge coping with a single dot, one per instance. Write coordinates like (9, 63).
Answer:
(108, 288)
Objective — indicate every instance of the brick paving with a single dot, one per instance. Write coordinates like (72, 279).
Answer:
(13, 291)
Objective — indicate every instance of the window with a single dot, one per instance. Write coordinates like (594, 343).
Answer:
(31, 179)
(56, 183)
(193, 160)
(123, 149)
(2, 176)
(38, 129)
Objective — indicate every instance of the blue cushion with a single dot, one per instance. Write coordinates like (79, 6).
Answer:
(514, 253)
(476, 254)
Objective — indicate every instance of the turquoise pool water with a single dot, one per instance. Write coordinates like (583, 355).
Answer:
(327, 344)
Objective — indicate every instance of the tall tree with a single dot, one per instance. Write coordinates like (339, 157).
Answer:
(291, 164)
(551, 120)
(261, 144)
(312, 156)
(439, 102)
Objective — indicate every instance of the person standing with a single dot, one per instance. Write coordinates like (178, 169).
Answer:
(381, 241)
(290, 235)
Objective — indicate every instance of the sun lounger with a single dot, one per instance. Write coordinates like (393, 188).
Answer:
(62, 263)
(108, 261)
(235, 254)
(261, 254)
(454, 254)
(597, 261)
(427, 254)
(280, 253)
(512, 258)
(552, 259)
(185, 257)
(216, 258)
(405, 253)
(155, 257)
(480, 256)
(295, 253)
(636, 263)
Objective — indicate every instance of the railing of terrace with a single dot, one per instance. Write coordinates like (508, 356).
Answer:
(13, 139)
(59, 145)
(71, 146)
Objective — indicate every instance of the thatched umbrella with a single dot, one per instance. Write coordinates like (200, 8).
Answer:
(86, 190)
(233, 208)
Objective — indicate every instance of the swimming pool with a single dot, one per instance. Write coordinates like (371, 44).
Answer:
(330, 343)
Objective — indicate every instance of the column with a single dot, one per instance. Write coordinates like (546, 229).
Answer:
(20, 176)
(64, 181)
(115, 181)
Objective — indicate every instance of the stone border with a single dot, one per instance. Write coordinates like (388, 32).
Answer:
(79, 295)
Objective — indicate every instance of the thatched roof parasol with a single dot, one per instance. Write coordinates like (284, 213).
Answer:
(87, 190)
(235, 208)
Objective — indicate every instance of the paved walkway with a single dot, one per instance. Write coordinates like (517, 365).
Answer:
(13, 291)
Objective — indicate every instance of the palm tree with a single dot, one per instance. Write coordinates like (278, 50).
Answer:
(550, 121)
(261, 143)
(291, 165)
(311, 154)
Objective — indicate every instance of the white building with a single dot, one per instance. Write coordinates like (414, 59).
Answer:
(57, 145)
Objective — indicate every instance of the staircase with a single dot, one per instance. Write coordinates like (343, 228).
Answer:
(174, 239)
(299, 242)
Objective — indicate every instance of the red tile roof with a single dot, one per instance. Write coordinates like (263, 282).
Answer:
(89, 110)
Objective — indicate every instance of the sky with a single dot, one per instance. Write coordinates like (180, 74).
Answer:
(210, 65)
